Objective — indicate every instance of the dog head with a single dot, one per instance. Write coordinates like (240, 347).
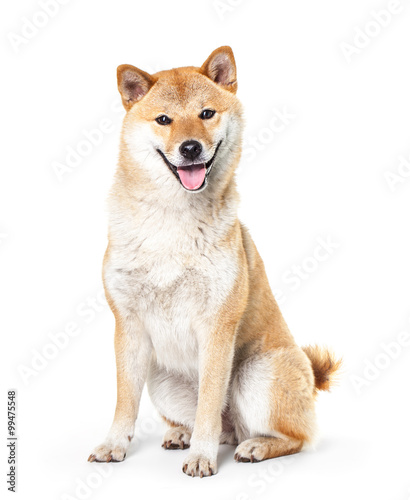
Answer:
(183, 126)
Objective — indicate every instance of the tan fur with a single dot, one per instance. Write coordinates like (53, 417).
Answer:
(194, 311)
(258, 449)
(325, 366)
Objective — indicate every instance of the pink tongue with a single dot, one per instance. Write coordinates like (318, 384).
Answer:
(192, 177)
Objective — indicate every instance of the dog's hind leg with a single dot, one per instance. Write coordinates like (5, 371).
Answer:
(273, 404)
(262, 448)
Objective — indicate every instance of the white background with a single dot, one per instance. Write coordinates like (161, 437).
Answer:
(322, 176)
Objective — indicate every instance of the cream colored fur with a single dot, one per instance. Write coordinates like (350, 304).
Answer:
(195, 316)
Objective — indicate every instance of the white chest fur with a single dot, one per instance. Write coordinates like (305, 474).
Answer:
(168, 269)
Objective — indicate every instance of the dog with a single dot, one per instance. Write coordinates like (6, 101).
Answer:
(195, 317)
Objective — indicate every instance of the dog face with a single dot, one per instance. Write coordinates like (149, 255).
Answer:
(183, 126)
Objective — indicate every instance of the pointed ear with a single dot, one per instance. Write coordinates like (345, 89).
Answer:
(133, 84)
(220, 67)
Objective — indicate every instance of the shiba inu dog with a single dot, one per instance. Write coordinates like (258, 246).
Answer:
(195, 316)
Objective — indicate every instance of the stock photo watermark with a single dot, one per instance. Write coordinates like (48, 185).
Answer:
(379, 20)
(148, 426)
(278, 123)
(297, 274)
(58, 341)
(373, 368)
(85, 487)
(258, 482)
(226, 7)
(31, 26)
(3, 238)
(90, 140)
(12, 440)
(398, 175)
(79, 151)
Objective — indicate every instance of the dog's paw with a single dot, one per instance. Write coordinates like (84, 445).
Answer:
(108, 453)
(250, 451)
(177, 438)
(199, 465)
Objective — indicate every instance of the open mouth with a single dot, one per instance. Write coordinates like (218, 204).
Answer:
(192, 177)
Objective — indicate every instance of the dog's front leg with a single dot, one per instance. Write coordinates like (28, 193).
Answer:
(215, 361)
(132, 352)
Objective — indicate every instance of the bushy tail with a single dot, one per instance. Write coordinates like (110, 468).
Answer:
(324, 364)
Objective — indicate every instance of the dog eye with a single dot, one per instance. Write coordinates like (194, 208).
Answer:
(206, 114)
(163, 120)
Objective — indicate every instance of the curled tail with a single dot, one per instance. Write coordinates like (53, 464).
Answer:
(324, 365)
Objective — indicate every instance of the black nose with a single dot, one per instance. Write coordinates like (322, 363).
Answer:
(190, 149)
